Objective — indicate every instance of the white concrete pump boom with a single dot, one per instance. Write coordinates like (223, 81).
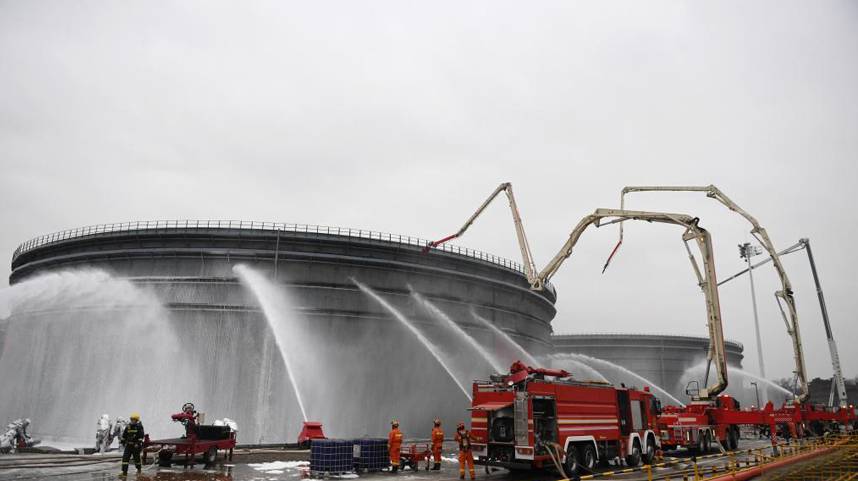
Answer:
(759, 233)
(838, 383)
(526, 256)
(705, 277)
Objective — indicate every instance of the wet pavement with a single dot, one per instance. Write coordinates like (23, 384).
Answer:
(274, 465)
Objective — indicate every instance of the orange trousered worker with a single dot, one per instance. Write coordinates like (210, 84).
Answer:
(437, 444)
(394, 443)
(466, 456)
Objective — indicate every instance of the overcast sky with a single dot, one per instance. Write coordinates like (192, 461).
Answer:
(402, 116)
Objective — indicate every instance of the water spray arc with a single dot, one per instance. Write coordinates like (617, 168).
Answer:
(570, 357)
(595, 360)
(73, 339)
(438, 313)
(405, 322)
(270, 302)
(508, 340)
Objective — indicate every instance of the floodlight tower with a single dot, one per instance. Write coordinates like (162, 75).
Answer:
(746, 251)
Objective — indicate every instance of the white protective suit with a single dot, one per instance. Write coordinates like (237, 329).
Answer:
(116, 430)
(102, 434)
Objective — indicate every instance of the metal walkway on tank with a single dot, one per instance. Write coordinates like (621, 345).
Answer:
(173, 225)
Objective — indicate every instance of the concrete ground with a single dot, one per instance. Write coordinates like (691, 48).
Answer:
(278, 465)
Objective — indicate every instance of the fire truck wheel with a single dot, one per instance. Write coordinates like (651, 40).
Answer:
(165, 458)
(707, 441)
(588, 458)
(571, 464)
(634, 457)
(732, 438)
(649, 454)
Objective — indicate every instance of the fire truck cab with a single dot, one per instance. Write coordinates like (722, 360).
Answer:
(535, 417)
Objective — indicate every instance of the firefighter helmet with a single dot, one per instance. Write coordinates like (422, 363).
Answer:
(437, 421)
(394, 423)
(460, 426)
(135, 416)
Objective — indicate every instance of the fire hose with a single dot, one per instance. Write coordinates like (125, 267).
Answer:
(555, 451)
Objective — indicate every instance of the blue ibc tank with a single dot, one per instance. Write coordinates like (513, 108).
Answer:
(371, 454)
(331, 456)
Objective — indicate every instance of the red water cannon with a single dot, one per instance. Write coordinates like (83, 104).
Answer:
(311, 430)
(189, 419)
(519, 372)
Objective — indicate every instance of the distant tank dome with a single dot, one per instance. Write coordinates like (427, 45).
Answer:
(663, 359)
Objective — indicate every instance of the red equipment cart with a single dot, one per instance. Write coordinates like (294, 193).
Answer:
(199, 439)
(415, 454)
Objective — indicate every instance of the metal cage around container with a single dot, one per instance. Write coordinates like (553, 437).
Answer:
(371, 454)
(331, 456)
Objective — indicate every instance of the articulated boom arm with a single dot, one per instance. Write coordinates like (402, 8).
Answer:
(706, 277)
(759, 233)
(526, 256)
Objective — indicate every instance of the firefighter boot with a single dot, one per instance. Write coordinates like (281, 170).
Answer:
(395, 469)
(437, 467)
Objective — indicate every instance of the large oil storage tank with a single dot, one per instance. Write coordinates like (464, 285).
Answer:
(342, 356)
(663, 359)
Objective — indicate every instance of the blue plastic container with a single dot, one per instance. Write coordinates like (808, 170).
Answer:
(331, 456)
(371, 454)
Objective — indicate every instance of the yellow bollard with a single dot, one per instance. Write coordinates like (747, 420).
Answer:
(648, 472)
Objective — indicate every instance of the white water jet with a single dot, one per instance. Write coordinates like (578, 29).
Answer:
(589, 359)
(698, 369)
(570, 358)
(438, 313)
(742, 372)
(508, 340)
(271, 302)
(79, 343)
(405, 322)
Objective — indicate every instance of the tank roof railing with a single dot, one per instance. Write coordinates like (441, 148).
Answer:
(638, 334)
(92, 230)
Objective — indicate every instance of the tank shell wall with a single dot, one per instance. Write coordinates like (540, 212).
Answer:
(223, 330)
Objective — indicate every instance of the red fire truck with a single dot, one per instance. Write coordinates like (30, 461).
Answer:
(700, 424)
(533, 417)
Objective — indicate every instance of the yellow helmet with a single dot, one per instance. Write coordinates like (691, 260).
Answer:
(135, 416)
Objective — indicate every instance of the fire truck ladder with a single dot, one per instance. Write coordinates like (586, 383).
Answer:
(705, 277)
(837, 384)
(785, 294)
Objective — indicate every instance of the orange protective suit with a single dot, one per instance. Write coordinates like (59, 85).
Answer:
(437, 443)
(466, 456)
(394, 443)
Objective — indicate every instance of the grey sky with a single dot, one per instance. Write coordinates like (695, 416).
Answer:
(402, 116)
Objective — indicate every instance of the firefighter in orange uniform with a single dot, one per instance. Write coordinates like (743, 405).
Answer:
(437, 444)
(466, 456)
(394, 443)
